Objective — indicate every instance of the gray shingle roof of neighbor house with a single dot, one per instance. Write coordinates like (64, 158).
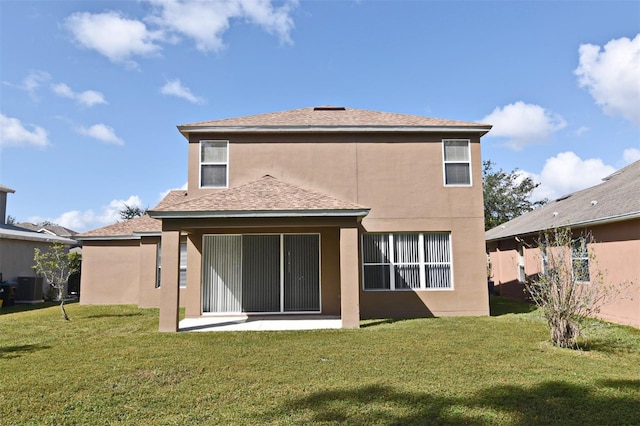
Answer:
(128, 229)
(58, 230)
(616, 198)
(331, 118)
(11, 232)
(265, 197)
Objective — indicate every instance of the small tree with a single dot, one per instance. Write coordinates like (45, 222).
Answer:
(571, 287)
(56, 266)
(129, 212)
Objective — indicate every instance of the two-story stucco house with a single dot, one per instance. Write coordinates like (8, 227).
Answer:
(324, 211)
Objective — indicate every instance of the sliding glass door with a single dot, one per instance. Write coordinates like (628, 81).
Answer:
(261, 273)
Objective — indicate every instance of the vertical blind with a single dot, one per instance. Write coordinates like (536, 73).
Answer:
(261, 273)
(407, 261)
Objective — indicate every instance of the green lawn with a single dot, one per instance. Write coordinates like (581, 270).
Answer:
(109, 365)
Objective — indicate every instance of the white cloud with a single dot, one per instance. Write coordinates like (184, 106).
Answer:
(88, 97)
(31, 82)
(85, 220)
(631, 155)
(581, 130)
(14, 133)
(611, 75)
(175, 88)
(113, 35)
(206, 21)
(203, 21)
(523, 124)
(567, 173)
(101, 132)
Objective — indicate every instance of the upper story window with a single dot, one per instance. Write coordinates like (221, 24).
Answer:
(457, 162)
(214, 164)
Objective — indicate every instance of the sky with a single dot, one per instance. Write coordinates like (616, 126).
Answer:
(91, 92)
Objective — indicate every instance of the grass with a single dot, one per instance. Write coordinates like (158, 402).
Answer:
(109, 365)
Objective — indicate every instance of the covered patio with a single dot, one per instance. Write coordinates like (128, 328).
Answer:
(266, 247)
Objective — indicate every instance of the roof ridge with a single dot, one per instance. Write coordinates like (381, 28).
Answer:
(330, 116)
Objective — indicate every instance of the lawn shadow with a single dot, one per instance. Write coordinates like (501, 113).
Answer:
(8, 352)
(502, 306)
(24, 307)
(130, 314)
(554, 402)
(381, 321)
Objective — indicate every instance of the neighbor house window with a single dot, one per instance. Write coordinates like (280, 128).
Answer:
(544, 261)
(407, 261)
(183, 265)
(521, 273)
(214, 164)
(580, 260)
(457, 162)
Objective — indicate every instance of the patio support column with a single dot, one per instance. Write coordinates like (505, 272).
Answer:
(169, 280)
(349, 278)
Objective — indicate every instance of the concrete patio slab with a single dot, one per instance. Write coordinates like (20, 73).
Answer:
(243, 323)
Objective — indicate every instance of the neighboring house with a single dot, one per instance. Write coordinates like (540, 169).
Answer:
(610, 212)
(50, 229)
(17, 245)
(324, 211)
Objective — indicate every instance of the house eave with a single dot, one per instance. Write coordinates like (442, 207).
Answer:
(108, 237)
(38, 237)
(578, 224)
(252, 214)
(186, 130)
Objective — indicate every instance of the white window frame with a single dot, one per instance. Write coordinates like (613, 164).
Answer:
(422, 263)
(522, 276)
(445, 162)
(183, 265)
(580, 257)
(158, 265)
(213, 163)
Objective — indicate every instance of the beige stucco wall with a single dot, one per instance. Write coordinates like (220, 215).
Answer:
(616, 251)
(121, 272)
(110, 272)
(398, 176)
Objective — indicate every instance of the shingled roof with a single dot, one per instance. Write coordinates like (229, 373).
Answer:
(616, 198)
(333, 119)
(58, 230)
(265, 197)
(128, 229)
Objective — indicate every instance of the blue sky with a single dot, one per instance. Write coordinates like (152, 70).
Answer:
(91, 91)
